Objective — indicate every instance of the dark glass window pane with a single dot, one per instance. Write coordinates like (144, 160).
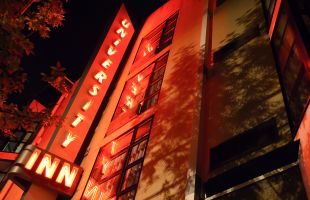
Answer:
(128, 196)
(286, 45)
(19, 135)
(299, 99)
(154, 87)
(157, 39)
(10, 147)
(150, 102)
(304, 89)
(109, 187)
(143, 130)
(270, 10)
(277, 37)
(131, 176)
(158, 74)
(2, 176)
(266, 4)
(292, 70)
(137, 151)
(168, 32)
(109, 167)
(304, 10)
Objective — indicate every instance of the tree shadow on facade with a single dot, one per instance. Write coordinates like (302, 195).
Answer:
(247, 91)
(243, 91)
(175, 124)
(253, 17)
(243, 85)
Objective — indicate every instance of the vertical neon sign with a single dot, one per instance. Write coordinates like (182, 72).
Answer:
(92, 88)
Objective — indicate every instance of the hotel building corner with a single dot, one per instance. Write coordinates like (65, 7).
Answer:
(207, 100)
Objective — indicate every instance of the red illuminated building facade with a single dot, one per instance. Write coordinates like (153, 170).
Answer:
(210, 100)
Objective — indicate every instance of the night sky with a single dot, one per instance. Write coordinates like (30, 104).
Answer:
(74, 43)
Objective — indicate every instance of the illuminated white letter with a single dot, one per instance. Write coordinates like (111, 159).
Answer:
(33, 158)
(111, 51)
(129, 102)
(78, 119)
(66, 174)
(100, 76)
(125, 23)
(140, 77)
(46, 164)
(94, 90)
(149, 47)
(70, 138)
(87, 105)
(116, 42)
(121, 32)
(134, 89)
(107, 63)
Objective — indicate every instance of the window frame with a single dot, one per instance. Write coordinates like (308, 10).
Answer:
(126, 164)
(119, 119)
(292, 85)
(160, 43)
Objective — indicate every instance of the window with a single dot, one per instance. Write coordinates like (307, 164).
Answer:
(302, 10)
(16, 144)
(278, 33)
(286, 46)
(140, 93)
(118, 166)
(269, 7)
(293, 74)
(244, 143)
(292, 70)
(157, 39)
(156, 79)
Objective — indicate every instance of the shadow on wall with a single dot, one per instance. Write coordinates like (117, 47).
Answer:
(244, 91)
(243, 88)
(251, 18)
(167, 161)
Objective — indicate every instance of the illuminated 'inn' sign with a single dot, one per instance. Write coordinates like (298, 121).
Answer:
(45, 164)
